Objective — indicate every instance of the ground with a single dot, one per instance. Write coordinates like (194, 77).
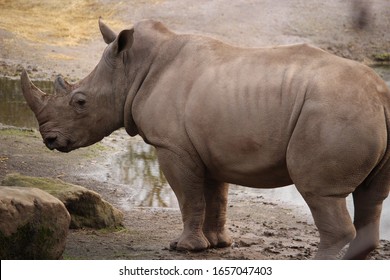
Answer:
(271, 231)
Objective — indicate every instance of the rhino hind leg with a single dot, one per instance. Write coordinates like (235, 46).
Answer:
(328, 158)
(366, 221)
(333, 222)
(368, 199)
(216, 194)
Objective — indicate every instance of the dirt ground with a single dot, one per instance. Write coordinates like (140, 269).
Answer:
(261, 229)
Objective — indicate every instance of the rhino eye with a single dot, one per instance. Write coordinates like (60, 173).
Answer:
(79, 100)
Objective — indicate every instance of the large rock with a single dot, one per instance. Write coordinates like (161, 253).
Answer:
(86, 207)
(33, 224)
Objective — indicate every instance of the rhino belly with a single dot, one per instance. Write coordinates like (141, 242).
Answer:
(252, 165)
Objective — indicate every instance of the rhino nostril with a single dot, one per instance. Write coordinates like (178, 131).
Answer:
(50, 141)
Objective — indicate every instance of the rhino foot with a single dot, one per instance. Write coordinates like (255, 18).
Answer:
(219, 239)
(190, 243)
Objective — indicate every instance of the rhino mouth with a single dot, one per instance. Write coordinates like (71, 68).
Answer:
(63, 149)
(56, 142)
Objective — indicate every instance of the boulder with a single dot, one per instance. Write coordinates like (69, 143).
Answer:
(86, 207)
(33, 224)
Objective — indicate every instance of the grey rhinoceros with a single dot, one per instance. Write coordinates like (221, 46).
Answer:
(218, 114)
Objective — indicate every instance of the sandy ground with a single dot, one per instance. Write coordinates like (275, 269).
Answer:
(272, 230)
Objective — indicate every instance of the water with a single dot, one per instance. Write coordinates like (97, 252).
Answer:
(136, 168)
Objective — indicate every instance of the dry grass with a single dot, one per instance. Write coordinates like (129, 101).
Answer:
(56, 22)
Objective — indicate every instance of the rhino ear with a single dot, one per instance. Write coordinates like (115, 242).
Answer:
(108, 35)
(125, 40)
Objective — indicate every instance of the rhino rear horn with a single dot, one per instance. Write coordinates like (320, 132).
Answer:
(108, 35)
(33, 95)
(61, 86)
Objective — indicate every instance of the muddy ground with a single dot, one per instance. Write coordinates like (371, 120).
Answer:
(261, 229)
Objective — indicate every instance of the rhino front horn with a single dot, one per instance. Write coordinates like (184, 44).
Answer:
(33, 95)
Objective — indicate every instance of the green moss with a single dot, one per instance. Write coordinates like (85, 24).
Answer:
(116, 229)
(54, 187)
(98, 147)
(15, 131)
(382, 57)
(27, 243)
(94, 150)
(86, 208)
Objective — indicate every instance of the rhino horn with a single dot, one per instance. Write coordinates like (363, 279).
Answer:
(61, 86)
(33, 95)
(108, 35)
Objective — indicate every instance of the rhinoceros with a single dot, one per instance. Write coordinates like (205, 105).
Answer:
(219, 114)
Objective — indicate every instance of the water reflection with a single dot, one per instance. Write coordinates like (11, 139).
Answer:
(138, 169)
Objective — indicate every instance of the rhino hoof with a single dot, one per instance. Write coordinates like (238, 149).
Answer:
(219, 240)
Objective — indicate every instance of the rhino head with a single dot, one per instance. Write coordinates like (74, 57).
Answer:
(81, 114)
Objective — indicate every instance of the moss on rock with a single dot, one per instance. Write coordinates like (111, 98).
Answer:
(86, 207)
(382, 57)
(33, 224)
(29, 242)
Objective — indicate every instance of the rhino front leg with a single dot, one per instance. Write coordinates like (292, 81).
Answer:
(187, 181)
(216, 195)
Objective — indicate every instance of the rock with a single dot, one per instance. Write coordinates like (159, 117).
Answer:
(33, 224)
(86, 207)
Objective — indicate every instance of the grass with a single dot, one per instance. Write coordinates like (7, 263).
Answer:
(56, 22)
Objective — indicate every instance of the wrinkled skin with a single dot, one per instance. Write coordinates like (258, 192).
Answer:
(218, 114)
